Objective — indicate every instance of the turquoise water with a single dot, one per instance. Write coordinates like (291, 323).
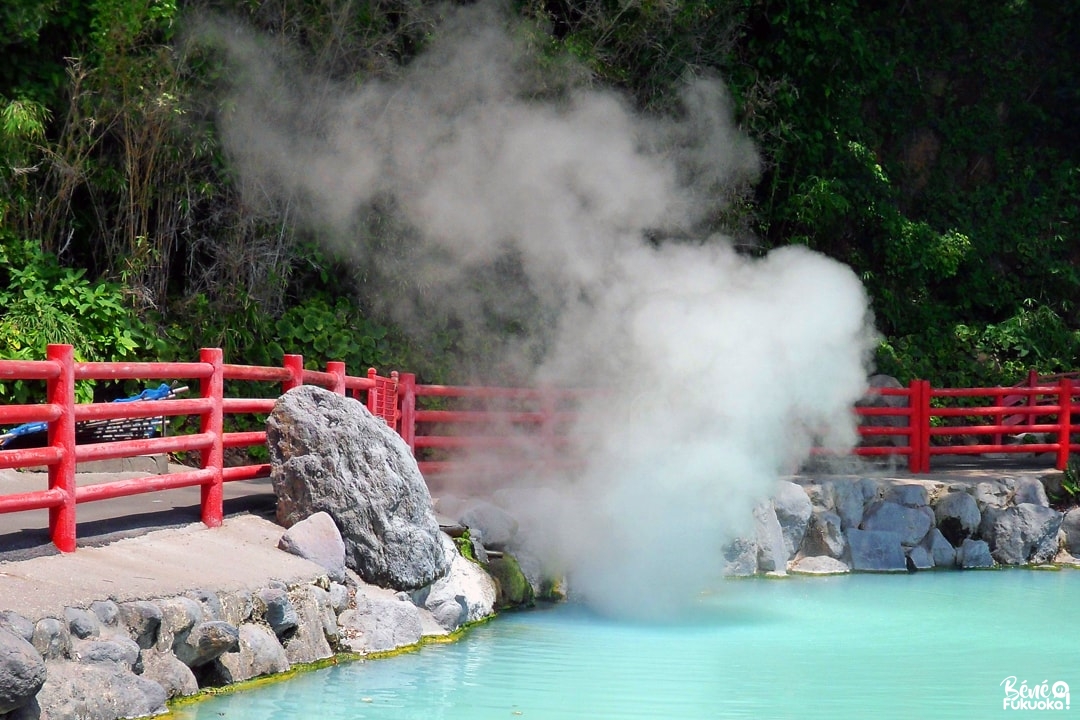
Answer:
(926, 645)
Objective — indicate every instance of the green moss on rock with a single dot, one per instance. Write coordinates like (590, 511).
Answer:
(512, 587)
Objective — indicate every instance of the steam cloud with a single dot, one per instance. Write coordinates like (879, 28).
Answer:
(723, 369)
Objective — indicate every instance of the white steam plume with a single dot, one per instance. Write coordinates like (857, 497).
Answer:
(722, 370)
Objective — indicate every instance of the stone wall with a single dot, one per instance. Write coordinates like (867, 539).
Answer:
(840, 524)
(113, 660)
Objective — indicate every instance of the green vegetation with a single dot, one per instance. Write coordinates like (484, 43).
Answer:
(930, 146)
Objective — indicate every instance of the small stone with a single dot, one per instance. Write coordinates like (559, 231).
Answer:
(974, 554)
(280, 614)
(819, 565)
(16, 623)
(142, 619)
(52, 638)
(81, 623)
(317, 538)
(107, 612)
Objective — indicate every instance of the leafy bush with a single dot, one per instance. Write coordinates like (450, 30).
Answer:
(42, 303)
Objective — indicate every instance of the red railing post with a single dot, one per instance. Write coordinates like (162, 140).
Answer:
(213, 422)
(337, 369)
(407, 393)
(1065, 391)
(924, 438)
(372, 393)
(295, 365)
(915, 423)
(61, 392)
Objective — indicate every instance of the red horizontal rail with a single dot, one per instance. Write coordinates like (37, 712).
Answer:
(19, 414)
(244, 439)
(40, 500)
(139, 486)
(255, 373)
(25, 457)
(140, 371)
(29, 370)
(145, 446)
(246, 472)
(240, 406)
(142, 409)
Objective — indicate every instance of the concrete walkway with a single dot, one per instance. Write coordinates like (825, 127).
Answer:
(242, 554)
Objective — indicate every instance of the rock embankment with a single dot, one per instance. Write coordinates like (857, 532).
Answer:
(836, 525)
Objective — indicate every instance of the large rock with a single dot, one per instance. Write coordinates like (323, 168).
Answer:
(16, 623)
(941, 550)
(1070, 524)
(142, 620)
(974, 554)
(329, 454)
(1030, 490)
(512, 588)
(957, 516)
(22, 671)
(465, 594)
(1024, 533)
(876, 550)
(166, 670)
(910, 523)
(205, 642)
(772, 554)
(820, 565)
(308, 642)
(102, 691)
(118, 650)
(824, 535)
(909, 494)
(793, 509)
(52, 638)
(258, 653)
(317, 538)
(496, 526)
(380, 623)
(849, 503)
(741, 558)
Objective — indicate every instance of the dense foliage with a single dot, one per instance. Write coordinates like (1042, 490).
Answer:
(931, 146)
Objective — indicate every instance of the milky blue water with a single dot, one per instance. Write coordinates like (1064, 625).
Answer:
(926, 645)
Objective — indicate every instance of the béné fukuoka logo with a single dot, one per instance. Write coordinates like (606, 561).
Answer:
(1040, 696)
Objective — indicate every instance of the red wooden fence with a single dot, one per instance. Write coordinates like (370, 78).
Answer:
(928, 422)
(441, 422)
(61, 454)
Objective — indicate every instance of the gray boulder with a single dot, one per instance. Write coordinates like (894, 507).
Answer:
(81, 623)
(849, 503)
(824, 535)
(919, 558)
(876, 550)
(317, 538)
(308, 642)
(1024, 533)
(380, 623)
(1070, 524)
(741, 558)
(1030, 490)
(279, 614)
(465, 594)
(772, 554)
(974, 554)
(106, 611)
(339, 597)
(909, 494)
(793, 510)
(328, 453)
(259, 653)
(102, 691)
(957, 516)
(910, 523)
(205, 642)
(118, 650)
(178, 616)
(941, 550)
(819, 565)
(16, 623)
(166, 670)
(52, 638)
(497, 527)
(142, 620)
(22, 671)
(991, 493)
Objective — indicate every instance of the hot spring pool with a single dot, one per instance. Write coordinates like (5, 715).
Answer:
(927, 645)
